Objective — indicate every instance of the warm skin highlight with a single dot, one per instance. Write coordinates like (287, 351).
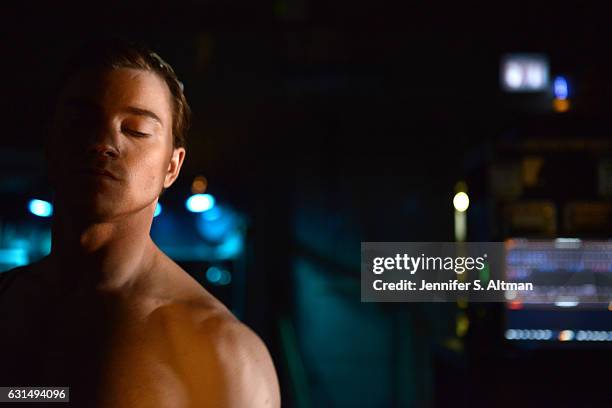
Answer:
(125, 326)
(94, 127)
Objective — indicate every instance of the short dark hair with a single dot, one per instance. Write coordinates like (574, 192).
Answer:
(114, 53)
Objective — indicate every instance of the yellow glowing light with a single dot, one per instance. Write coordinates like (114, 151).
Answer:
(561, 105)
(199, 185)
(462, 324)
(566, 335)
(461, 201)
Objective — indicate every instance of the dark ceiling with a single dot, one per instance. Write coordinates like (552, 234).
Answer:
(277, 83)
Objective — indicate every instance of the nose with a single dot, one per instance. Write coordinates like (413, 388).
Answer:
(104, 149)
(102, 140)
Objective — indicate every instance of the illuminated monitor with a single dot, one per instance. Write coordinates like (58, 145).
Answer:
(524, 73)
(572, 298)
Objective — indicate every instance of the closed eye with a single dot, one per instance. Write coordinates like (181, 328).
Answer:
(136, 133)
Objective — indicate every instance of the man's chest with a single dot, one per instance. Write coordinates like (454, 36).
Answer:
(108, 357)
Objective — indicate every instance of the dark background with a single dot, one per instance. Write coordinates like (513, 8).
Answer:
(328, 123)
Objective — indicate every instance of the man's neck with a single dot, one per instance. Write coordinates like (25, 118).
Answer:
(102, 255)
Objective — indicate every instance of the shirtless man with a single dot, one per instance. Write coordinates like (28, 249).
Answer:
(107, 313)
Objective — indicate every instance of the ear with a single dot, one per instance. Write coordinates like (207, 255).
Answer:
(174, 167)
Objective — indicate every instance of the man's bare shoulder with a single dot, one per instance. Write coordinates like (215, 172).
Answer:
(221, 360)
(179, 290)
(245, 372)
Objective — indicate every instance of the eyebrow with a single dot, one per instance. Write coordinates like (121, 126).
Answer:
(83, 103)
(142, 112)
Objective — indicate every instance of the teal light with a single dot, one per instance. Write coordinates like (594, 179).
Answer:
(218, 276)
(213, 274)
(158, 210)
(200, 202)
(40, 208)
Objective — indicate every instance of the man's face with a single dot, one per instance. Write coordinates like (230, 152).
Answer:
(111, 149)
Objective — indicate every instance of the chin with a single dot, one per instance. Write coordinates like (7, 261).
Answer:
(94, 207)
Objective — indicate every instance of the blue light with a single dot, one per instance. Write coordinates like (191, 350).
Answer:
(560, 88)
(158, 210)
(225, 278)
(217, 226)
(12, 257)
(200, 202)
(231, 247)
(218, 276)
(213, 274)
(212, 214)
(40, 208)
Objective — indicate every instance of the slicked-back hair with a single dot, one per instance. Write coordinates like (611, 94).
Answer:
(113, 53)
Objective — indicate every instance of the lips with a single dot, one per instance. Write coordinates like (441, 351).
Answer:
(94, 171)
